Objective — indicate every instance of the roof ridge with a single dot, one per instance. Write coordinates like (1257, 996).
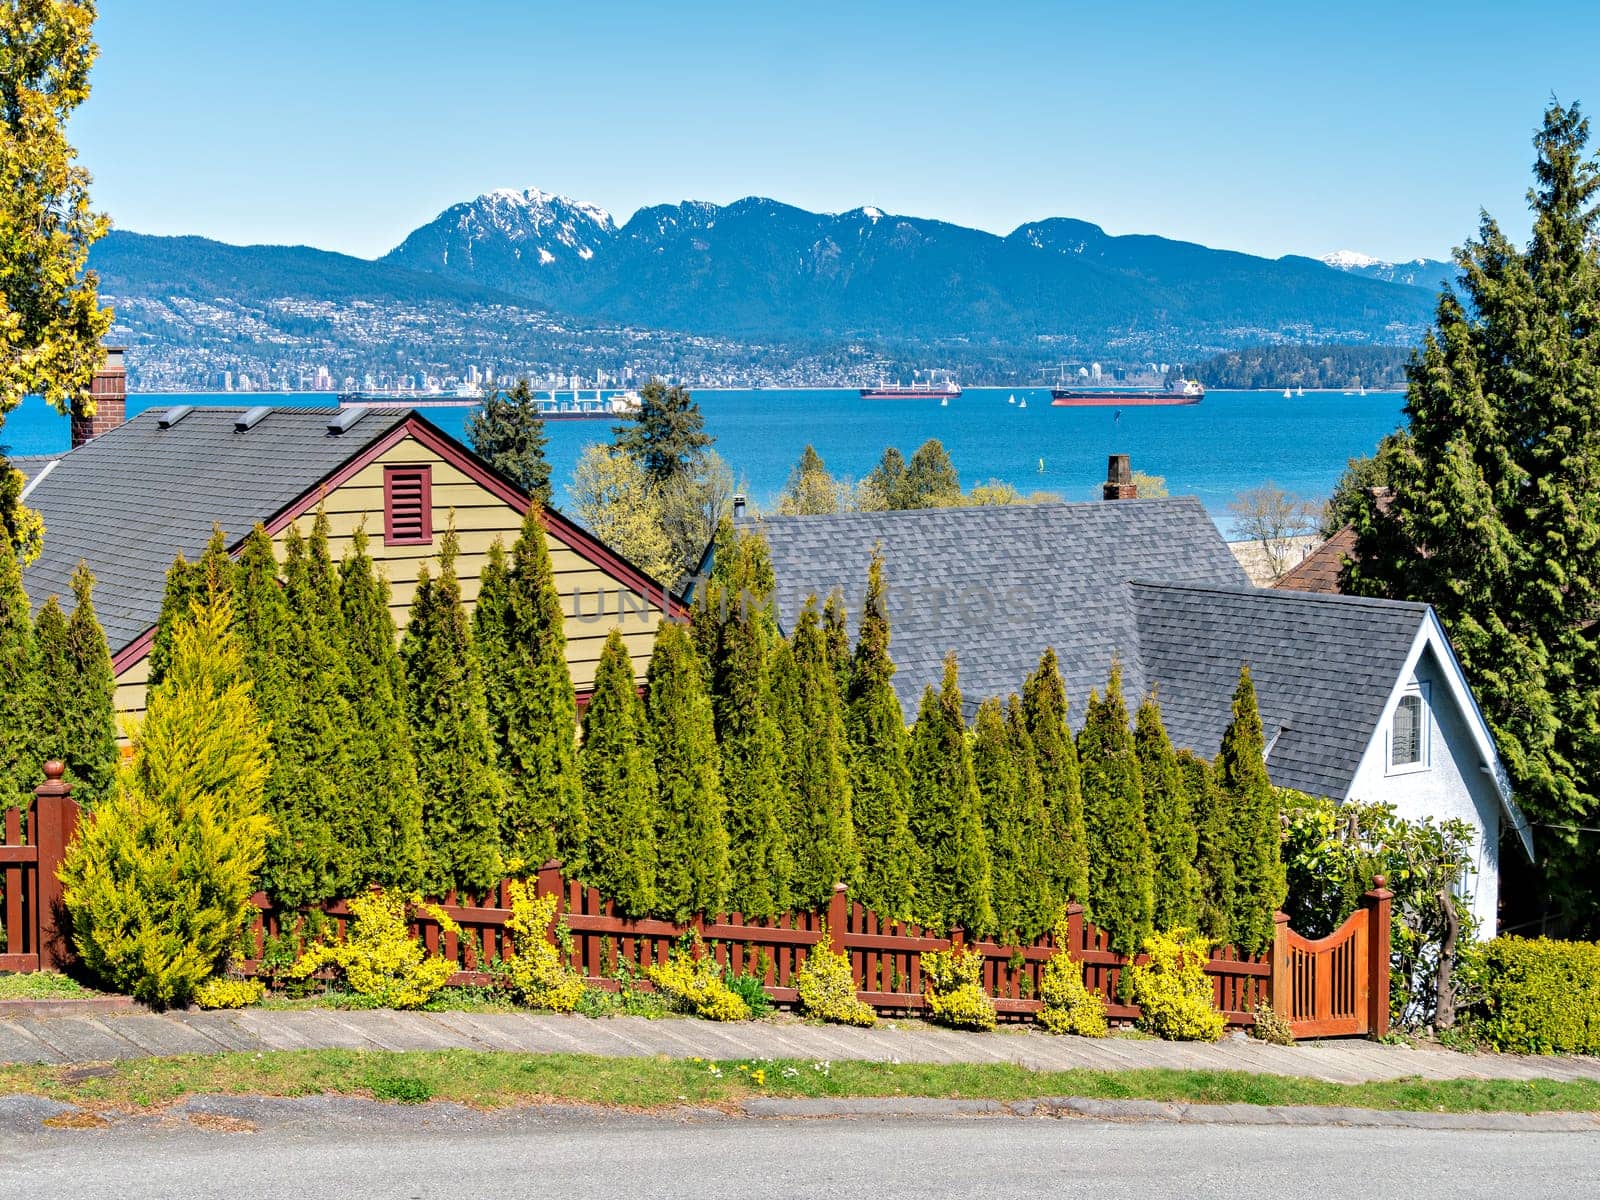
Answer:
(1286, 594)
(995, 509)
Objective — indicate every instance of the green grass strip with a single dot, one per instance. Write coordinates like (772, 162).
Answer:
(492, 1080)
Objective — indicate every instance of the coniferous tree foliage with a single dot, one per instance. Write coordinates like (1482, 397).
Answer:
(16, 661)
(1241, 777)
(953, 884)
(261, 615)
(1495, 516)
(508, 433)
(810, 490)
(522, 644)
(930, 480)
(1213, 823)
(667, 435)
(881, 489)
(74, 707)
(619, 783)
(462, 792)
(1120, 866)
(43, 700)
(1014, 821)
(836, 635)
(691, 838)
(880, 776)
(1170, 817)
(821, 833)
(212, 572)
(385, 839)
(1044, 709)
(1040, 906)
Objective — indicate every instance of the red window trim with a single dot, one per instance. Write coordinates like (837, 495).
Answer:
(424, 475)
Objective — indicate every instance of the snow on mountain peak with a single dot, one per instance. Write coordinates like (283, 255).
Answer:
(1346, 260)
(872, 213)
(539, 202)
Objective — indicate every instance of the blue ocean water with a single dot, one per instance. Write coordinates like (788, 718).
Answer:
(1214, 450)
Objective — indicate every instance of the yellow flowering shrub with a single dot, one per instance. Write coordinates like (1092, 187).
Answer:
(1068, 1006)
(379, 958)
(535, 975)
(1173, 991)
(950, 984)
(697, 987)
(229, 993)
(828, 989)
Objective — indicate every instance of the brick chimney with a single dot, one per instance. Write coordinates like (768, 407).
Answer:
(1119, 483)
(109, 392)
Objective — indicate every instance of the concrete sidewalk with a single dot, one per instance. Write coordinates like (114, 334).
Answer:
(75, 1039)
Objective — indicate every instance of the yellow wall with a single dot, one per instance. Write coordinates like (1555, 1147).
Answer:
(480, 517)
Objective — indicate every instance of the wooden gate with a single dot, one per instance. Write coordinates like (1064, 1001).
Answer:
(1336, 986)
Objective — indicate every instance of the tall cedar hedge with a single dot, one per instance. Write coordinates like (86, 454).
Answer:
(821, 833)
(880, 773)
(1120, 866)
(1014, 821)
(1044, 708)
(1213, 822)
(384, 844)
(1041, 904)
(691, 838)
(522, 646)
(1170, 816)
(1241, 772)
(462, 792)
(73, 709)
(619, 784)
(952, 885)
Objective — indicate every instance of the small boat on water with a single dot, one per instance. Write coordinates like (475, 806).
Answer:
(912, 391)
(1287, 394)
(1024, 404)
(1012, 399)
(598, 407)
(1299, 392)
(1179, 391)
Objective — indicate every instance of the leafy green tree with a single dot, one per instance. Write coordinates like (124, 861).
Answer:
(20, 526)
(1120, 866)
(667, 435)
(1044, 710)
(1039, 903)
(691, 839)
(522, 645)
(1495, 517)
(16, 660)
(953, 885)
(810, 489)
(1242, 782)
(880, 776)
(384, 843)
(1169, 815)
(616, 500)
(691, 504)
(75, 711)
(462, 791)
(158, 885)
(1214, 853)
(930, 480)
(508, 433)
(821, 834)
(620, 784)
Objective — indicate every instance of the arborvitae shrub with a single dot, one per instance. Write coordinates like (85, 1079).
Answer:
(619, 783)
(1113, 807)
(158, 882)
(821, 835)
(1040, 897)
(880, 777)
(1241, 775)
(1044, 705)
(1213, 823)
(1168, 813)
(73, 705)
(691, 840)
(17, 752)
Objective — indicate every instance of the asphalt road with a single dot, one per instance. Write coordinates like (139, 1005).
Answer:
(349, 1154)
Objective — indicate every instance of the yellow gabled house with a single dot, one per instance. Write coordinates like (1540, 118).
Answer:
(129, 499)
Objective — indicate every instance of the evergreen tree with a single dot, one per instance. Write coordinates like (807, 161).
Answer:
(1170, 817)
(1120, 867)
(462, 791)
(691, 839)
(261, 614)
(953, 883)
(385, 838)
(43, 700)
(836, 633)
(1260, 885)
(880, 777)
(821, 834)
(930, 480)
(667, 435)
(212, 573)
(1214, 855)
(1044, 710)
(1013, 823)
(74, 710)
(17, 751)
(1495, 511)
(881, 489)
(508, 433)
(619, 783)
(1039, 905)
(810, 490)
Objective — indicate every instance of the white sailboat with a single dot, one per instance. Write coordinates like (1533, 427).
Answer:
(1013, 398)
(1299, 392)
(1287, 393)
(1024, 404)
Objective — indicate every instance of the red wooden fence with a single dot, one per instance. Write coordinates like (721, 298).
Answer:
(31, 852)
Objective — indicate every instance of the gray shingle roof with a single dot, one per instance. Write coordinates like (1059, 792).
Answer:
(134, 497)
(999, 585)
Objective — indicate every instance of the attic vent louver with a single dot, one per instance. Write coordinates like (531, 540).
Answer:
(250, 418)
(174, 414)
(407, 506)
(346, 418)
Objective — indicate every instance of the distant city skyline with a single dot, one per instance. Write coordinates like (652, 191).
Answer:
(1382, 129)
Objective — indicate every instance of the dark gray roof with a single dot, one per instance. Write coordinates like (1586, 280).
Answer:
(1148, 582)
(31, 464)
(134, 497)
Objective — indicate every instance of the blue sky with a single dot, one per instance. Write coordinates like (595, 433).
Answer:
(1272, 128)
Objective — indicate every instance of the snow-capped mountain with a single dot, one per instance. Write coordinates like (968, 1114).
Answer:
(1420, 272)
(503, 233)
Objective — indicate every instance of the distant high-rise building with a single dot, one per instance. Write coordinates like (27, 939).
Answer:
(1094, 370)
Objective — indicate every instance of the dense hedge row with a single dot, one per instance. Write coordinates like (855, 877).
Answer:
(1539, 996)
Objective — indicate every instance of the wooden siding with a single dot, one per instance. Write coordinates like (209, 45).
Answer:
(480, 517)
